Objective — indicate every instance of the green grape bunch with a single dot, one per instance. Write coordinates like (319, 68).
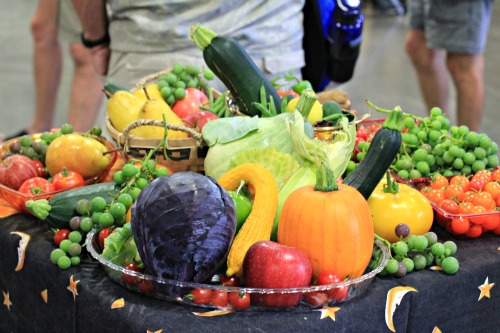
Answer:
(431, 146)
(173, 83)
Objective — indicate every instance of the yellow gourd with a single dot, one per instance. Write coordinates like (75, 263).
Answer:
(259, 223)
(123, 108)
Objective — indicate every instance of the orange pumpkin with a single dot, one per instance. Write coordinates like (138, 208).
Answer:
(330, 222)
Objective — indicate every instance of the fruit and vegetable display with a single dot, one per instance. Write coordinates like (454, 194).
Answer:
(299, 202)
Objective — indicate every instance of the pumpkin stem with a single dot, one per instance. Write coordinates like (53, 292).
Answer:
(325, 180)
(392, 185)
(306, 101)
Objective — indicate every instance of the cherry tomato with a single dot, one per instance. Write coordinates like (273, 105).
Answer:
(492, 188)
(283, 93)
(104, 233)
(42, 172)
(230, 281)
(340, 294)
(460, 225)
(449, 206)
(36, 185)
(465, 208)
(239, 300)
(495, 174)
(474, 231)
(316, 298)
(362, 133)
(201, 296)
(61, 235)
(484, 199)
(146, 286)
(461, 181)
(130, 279)
(67, 179)
(331, 277)
(433, 194)
(219, 298)
(477, 183)
(454, 192)
(439, 182)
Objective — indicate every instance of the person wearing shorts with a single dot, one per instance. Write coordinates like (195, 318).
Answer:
(54, 21)
(447, 39)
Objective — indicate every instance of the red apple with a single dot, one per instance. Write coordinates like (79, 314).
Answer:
(15, 169)
(199, 119)
(269, 264)
(190, 103)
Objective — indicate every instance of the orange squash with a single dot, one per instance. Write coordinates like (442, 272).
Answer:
(331, 223)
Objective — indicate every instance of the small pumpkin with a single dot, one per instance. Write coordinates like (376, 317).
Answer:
(331, 223)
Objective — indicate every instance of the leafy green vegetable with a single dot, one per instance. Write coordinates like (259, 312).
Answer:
(119, 247)
(271, 132)
(224, 130)
(281, 165)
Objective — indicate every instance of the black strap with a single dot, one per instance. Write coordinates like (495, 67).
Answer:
(92, 43)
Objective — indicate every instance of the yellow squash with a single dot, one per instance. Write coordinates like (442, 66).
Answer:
(123, 109)
(259, 223)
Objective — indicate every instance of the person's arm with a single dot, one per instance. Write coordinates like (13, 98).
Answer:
(94, 20)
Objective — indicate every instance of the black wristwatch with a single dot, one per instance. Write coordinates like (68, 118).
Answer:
(92, 43)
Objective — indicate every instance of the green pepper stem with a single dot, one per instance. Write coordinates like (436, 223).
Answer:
(325, 181)
(392, 185)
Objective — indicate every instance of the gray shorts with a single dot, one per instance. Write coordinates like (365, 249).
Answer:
(459, 26)
(68, 22)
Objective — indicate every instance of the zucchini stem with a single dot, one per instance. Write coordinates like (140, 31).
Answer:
(306, 101)
(201, 36)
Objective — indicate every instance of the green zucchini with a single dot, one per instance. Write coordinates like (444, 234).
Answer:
(110, 88)
(58, 210)
(234, 67)
(381, 153)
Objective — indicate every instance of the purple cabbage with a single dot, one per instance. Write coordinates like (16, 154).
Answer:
(183, 225)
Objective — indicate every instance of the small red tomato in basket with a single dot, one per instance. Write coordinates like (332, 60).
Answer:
(36, 185)
(67, 179)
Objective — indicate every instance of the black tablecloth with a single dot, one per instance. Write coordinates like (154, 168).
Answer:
(448, 303)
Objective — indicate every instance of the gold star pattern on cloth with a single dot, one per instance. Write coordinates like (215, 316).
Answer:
(119, 303)
(45, 295)
(485, 289)
(72, 287)
(328, 312)
(6, 300)
(159, 331)
(212, 313)
(21, 250)
(394, 298)
(436, 330)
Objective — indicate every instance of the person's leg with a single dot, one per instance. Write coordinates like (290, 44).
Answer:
(430, 68)
(47, 64)
(467, 72)
(86, 90)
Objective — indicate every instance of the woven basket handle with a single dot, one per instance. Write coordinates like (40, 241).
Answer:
(150, 122)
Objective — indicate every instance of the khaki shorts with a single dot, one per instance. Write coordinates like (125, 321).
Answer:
(453, 25)
(68, 22)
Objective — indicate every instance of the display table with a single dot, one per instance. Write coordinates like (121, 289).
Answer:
(36, 298)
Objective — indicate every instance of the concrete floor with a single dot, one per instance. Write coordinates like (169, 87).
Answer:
(383, 73)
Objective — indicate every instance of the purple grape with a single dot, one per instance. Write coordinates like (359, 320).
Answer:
(402, 230)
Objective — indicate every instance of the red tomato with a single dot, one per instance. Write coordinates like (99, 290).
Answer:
(495, 174)
(477, 184)
(316, 298)
(362, 133)
(42, 172)
(219, 298)
(474, 231)
(105, 232)
(454, 192)
(492, 188)
(340, 294)
(230, 281)
(461, 181)
(61, 235)
(439, 182)
(130, 279)
(146, 286)
(484, 199)
(191, 102)
(239, 300)
(449, 206)
(460, 225)
(331, 277)
(201, 296)
(283, 93)
(67, 179)
(36, 185)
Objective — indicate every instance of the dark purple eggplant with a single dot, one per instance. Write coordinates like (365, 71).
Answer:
(183, 225)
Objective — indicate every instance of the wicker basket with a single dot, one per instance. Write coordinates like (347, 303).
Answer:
(187, 154)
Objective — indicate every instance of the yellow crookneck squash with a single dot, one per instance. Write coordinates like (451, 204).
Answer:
(331, 223)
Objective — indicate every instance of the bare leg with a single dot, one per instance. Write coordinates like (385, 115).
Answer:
(467, 72)
(47, 62)
(431, 70)
(86, 90)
